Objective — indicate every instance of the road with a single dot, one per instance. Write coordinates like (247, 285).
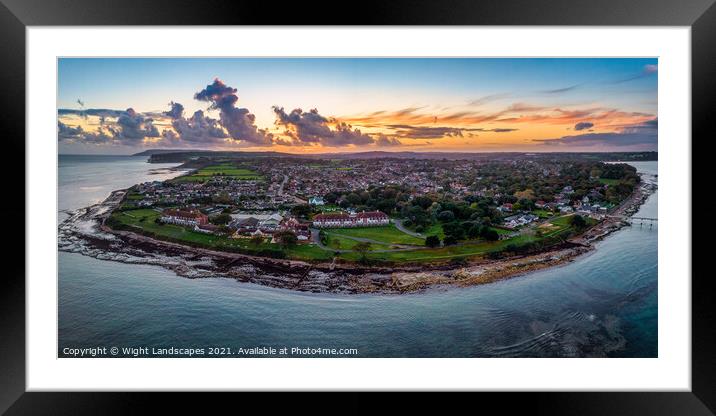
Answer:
(280, 189)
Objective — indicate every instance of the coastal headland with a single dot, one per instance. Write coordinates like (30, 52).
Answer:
(394, 265)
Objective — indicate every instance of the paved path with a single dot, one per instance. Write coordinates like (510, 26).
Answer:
(399, 225)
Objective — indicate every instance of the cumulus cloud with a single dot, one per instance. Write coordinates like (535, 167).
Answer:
(77, 134)
(239, 122)
(176, 111)
(67, 132)
(384, 141)
(312, 128)
(583, 125)
(134, 126)
(194, 130)
(637, 137)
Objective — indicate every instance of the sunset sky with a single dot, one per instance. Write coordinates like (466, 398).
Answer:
(318, 105)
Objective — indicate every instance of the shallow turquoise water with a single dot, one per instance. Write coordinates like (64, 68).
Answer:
(603, 304)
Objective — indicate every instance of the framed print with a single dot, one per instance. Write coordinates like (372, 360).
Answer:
(442, 199)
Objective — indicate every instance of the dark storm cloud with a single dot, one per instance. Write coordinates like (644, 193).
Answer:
(310, 127)
(643, 136)
(239, 122)
(583, 125)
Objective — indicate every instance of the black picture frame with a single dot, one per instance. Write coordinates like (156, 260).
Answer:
(15, 15)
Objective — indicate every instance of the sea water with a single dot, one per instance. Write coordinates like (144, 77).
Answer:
(604, 304)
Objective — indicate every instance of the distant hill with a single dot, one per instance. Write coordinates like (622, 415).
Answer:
(183, 155)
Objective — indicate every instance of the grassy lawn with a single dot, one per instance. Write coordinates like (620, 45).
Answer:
(446, 253)
(338, 242)
(562, 221)
(609, 182)
(434, 229)
(561, 225)
(387, 234)
(143, 220)
(227, 170)
(542, 213)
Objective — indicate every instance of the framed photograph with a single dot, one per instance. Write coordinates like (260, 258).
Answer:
(436, 199)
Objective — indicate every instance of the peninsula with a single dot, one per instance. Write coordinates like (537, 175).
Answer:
(364, 222)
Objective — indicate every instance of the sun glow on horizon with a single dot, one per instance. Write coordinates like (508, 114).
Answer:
(345, 105)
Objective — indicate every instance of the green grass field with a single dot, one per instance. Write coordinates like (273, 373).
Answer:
(338, 242)
(226, 170)
(465, 250)
(542, 213)
(434, 229)
(142, 220)
(609, 182)
(387, 234)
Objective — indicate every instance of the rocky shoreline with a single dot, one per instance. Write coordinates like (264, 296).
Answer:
(83, 232)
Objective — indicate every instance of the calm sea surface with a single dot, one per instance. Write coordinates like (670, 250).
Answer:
(603, 304)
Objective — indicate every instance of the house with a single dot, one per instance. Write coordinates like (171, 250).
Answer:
(206, 228)
(316, 201)
(505, 208)
(302, 231)
(181, 217)
(341, 220)
(519, 220)
(271, 223)
(245, 225)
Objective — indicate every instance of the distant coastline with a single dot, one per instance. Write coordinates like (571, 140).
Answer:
(182, 155)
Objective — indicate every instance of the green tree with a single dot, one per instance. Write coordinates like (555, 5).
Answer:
(490, 234)
(446, 216)
(362, 248)
(302, 211)
(221, 219)
(286, 238)
(578, 221)
(432, 241)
